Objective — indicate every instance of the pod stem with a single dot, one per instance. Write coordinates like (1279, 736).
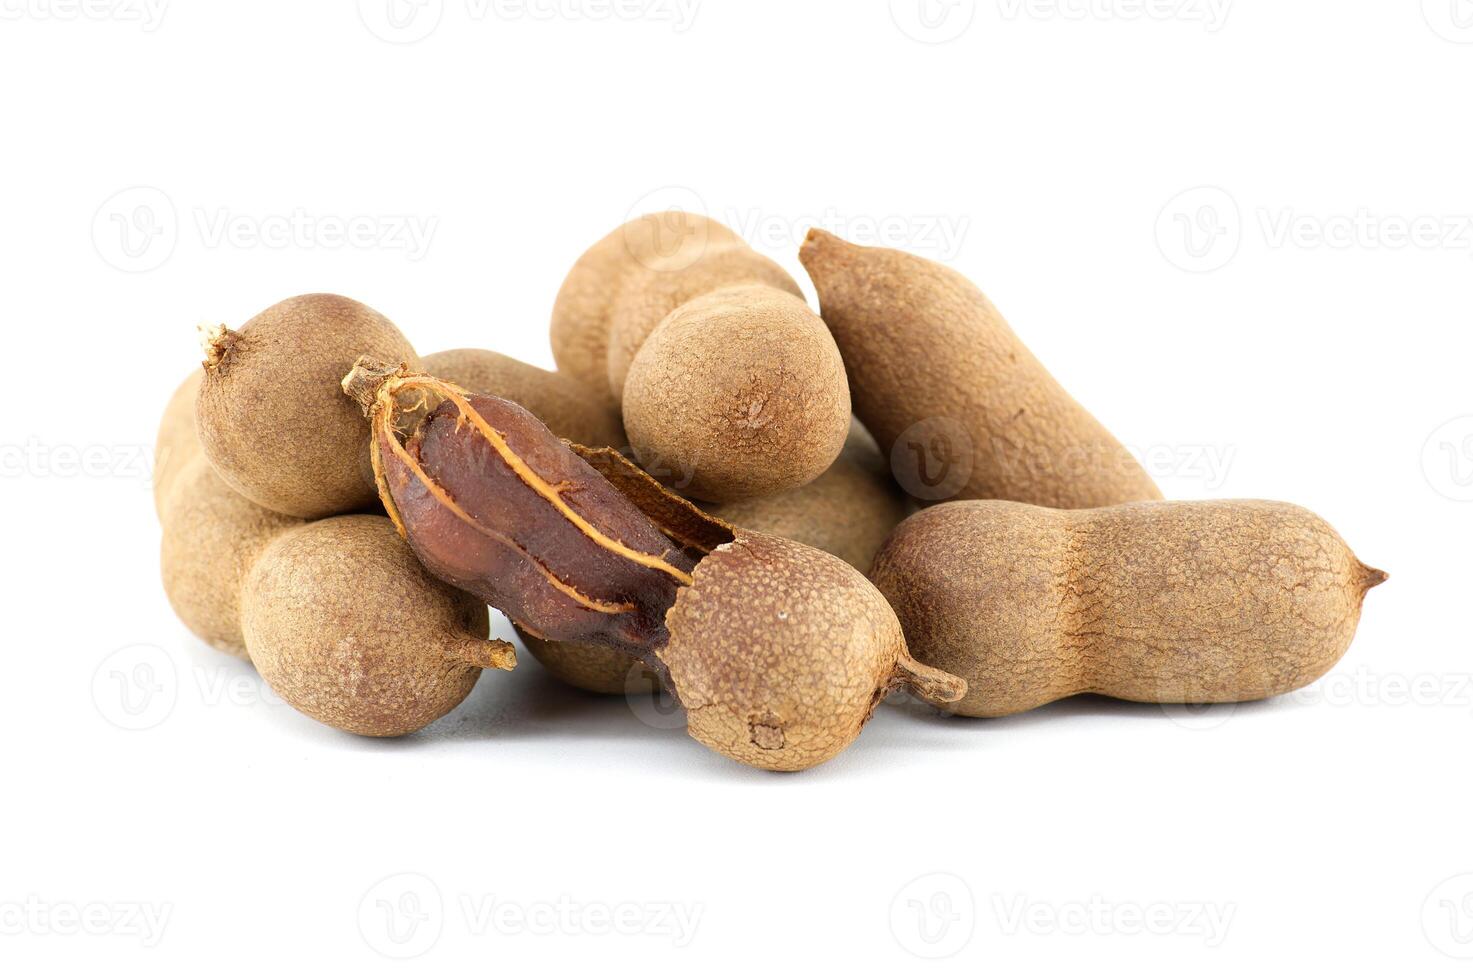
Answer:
(928, 682)
(217, 341)
(1371, 577)
(486, 654)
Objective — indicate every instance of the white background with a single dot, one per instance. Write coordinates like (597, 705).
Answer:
(1296, 346)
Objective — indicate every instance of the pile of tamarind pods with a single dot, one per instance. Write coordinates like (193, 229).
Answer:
(702, 499)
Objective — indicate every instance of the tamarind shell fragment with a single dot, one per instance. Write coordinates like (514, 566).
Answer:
(495, 504)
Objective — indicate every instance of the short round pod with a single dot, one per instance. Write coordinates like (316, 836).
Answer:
(271, 415)
(1164, 602)
(565, 404)
(348, 628)
(212, 536)
(655, 289)
(737, 394)
(780, 653)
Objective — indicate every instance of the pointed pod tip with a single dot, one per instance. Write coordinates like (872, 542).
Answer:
(817, 242)
(1372, 577)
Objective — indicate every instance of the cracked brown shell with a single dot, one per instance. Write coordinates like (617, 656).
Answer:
(271, 415)
(347, 627)
(563, 403)
(924, 346)
(1169, 602)
(738, 393)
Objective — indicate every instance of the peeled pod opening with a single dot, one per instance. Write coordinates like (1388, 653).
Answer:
(779, 652)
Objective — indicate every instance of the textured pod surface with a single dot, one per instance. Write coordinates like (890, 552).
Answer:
(591, 667)
(738, 393)
(563, 403)
(652, 291)
(849, 511)
(177, 442)
(1170, 602)
(346, 627)
(780, 653)
(271, 415)
(580, 315)
(923, 345)
(211, 537)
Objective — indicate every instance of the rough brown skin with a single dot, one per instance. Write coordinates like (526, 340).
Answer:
(780, 653)
(591, 667)
(748, 376)
(580, 315)
(848, 512)
(212, 535)
(177, 442)
(565, 404)
(270, 414)
(1169, 602)
(346, 627)
(652, 291)
(741, 392)
(922, 344)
